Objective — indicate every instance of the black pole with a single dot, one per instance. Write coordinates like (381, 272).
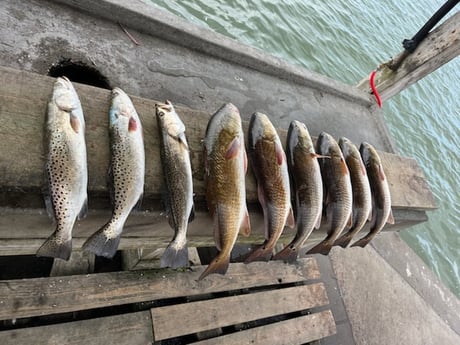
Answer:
(411, 44)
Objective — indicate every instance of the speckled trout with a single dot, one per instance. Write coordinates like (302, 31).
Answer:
(177, 170)
(362, 198)
(269, 164)
(126, 173)
(66, 171)
(225, 170)
(337, 190)
(306, 185)
(381, 212)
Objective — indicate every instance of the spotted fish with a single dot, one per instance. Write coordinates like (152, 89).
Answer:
(225, 170)
(175, 158)
(307, 186)
(362, 198)
(66, 171)
(381, 211)
(270, 168)
(126, 173)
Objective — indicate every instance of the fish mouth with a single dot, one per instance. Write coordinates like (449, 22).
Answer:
(165, 107)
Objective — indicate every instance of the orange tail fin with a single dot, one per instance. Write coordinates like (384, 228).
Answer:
(218, 265)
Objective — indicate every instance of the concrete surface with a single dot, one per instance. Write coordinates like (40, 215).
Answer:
(189, 65)
(382, 307)
(383, 294)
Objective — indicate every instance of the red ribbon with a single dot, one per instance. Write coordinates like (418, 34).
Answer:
(374, 90)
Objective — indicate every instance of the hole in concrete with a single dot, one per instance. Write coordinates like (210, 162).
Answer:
(79, 72)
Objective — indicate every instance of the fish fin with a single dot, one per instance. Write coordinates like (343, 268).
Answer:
(288, 254)
(263, 203)
(363, 241)
(55, 248)
(191, 216)
(260, 253)
(343, 167)
(84, 209)
(218, 265)
(350, 221)
(343, 241)
(75, 123)
(175, 256)
(290, 221)
(48, 200)
(132, 124)
(216, 230)
(245, 227)
(101, 245)
(390, 219)
(280, 155)
(381, 173)
(138, 205)
(233, 148)
(318, 220)
(245, 161)
(182, 139)
(323, 247)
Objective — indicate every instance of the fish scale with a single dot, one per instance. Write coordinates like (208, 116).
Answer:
(177, 171)
(307, 186)
(270, 168)
(127, 168)
(65, 169)
(225, 170)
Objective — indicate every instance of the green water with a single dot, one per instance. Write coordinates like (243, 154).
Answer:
(345, 40)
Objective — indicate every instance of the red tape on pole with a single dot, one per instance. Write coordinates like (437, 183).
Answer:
(374, 89)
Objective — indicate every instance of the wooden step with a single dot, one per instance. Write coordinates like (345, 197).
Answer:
(220, 312)
(54, 295)
(295, 331)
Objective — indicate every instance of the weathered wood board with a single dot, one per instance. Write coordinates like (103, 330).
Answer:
(133, 328)
(23, 102)
(300, 330)
(248, 307)
(54, 295)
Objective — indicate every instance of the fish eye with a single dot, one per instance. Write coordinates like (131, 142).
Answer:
(161, 113)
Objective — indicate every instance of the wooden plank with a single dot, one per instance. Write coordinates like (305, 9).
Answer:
(24, 98)
(439, 47)
(134, 328)
(300, 330)
(227, 311)
(147, 230)
(41, 296)
(79, 263)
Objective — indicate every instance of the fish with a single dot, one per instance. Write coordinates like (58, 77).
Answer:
(362, 198)
(126, 173)
(307, 187)
(177, 169)
(66, 171)
(225, 170)
(270, 168)
(381, 211)
(337, 191)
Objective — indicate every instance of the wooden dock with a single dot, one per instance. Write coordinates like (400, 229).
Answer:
(24, 97)
(259, 303)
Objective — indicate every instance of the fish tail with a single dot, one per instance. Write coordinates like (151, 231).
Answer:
(323, 247)
(55, 247)
(102, 245)
(261, 253)
(218, 265)
(175, 256)
(344, 241)
(288, 254)
(363, 241)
